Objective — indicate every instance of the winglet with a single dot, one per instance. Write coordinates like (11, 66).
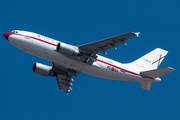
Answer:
(137, 33)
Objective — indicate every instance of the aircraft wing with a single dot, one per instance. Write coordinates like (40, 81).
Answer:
(64, 76)
(102, 45)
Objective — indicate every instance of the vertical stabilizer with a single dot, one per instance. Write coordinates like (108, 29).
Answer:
(146, 85)
(150, 61)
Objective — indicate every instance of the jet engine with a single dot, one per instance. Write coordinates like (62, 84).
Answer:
(67, 49)
(42, 69)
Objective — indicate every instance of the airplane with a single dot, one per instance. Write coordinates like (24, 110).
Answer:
(68, 60)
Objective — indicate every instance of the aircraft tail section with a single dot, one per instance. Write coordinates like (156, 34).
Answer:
(146, 85)
(156, 73)
(147, 66)
(150, 61)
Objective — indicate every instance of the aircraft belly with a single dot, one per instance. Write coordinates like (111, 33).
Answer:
(103, 72)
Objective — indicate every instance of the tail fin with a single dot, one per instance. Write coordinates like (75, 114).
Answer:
(148, 64)
(146, 85)
(150, 61)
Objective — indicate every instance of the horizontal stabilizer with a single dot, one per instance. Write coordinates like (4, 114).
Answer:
(145, 84)
(156, 73)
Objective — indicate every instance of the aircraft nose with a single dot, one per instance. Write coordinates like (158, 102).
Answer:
(6, 35)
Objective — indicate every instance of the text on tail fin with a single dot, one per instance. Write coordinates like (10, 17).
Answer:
(151, 60)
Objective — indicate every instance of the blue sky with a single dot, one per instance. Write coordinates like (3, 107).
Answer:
(25, 95)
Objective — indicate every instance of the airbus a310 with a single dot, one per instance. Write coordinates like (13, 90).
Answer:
(68, 60)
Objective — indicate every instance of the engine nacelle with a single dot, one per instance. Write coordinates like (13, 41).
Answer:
(42, 69)
(67, 49)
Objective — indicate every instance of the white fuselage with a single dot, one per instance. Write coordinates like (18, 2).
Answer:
(45, 47)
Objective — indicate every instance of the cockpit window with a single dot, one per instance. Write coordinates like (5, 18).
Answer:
(14, 31)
